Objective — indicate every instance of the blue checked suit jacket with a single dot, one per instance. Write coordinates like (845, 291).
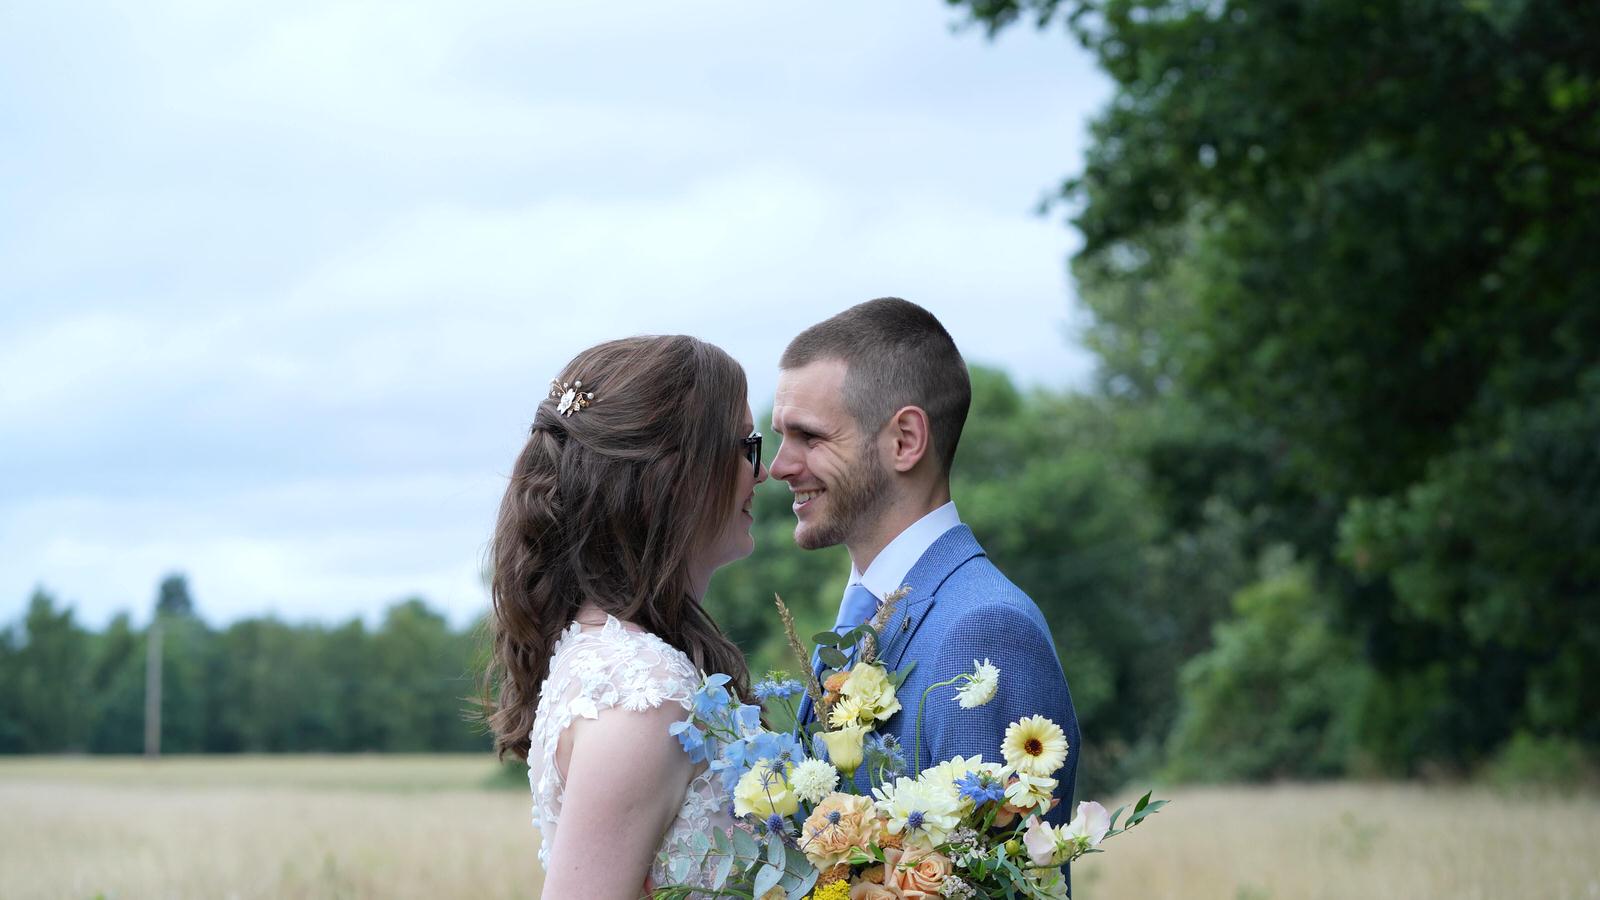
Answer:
(961, 608)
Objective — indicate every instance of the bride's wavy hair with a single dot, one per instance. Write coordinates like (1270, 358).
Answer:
(610, 506)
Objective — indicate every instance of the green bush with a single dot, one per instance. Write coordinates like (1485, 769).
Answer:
(1277, 694)
(1528, 761)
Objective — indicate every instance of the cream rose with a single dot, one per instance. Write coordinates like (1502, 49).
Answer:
(763, 792)
(869, 685)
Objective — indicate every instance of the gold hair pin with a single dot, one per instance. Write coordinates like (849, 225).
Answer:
(573, 398)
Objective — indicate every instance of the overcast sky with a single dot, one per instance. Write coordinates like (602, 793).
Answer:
(281, 285)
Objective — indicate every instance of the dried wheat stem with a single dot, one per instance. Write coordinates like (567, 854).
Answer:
(869, 647)
(807, 677)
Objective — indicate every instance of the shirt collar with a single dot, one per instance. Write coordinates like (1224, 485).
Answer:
(891, 566)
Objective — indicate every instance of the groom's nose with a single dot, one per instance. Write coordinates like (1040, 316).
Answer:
(786, 464)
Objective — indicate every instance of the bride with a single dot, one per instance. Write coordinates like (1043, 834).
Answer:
(634, 486)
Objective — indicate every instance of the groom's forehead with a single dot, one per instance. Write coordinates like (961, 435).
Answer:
(808, 394)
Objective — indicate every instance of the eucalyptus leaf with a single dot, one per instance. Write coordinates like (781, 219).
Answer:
(744, 845)
(719, 874)
(832, 658)
(767, 878)
(827, 639)
(806, 884)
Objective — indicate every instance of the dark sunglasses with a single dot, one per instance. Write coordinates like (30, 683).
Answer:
(752, 451)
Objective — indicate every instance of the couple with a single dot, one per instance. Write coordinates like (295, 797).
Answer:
(636, 484)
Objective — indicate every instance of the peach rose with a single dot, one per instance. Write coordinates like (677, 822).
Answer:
(866, 890)
(827, 843)
(917, 874)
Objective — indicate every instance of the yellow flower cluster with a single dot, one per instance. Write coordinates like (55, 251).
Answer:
(838, 890)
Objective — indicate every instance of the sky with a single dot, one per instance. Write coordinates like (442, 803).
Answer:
(281, 284)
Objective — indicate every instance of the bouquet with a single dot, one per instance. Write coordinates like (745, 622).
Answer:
(965, 827)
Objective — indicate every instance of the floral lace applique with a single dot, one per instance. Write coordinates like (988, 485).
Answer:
(591, 671)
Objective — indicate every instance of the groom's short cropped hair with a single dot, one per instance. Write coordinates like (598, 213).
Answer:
(896, 355)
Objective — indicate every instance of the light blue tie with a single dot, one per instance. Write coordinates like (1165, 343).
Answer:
(858, 605)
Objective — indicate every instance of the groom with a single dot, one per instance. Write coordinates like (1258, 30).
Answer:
(869, 407)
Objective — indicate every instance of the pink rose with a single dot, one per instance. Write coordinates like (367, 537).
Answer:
(917, 874)
(866, 890)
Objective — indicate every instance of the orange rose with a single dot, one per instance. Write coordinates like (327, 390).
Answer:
(917, 875)
(873, 874)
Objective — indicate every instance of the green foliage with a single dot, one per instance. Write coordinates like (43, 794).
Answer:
(257, 686)
(1340, 257)
(1272, 697)
(1552, 763)
(46, 678)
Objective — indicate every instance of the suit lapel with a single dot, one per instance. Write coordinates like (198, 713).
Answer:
(948, 553)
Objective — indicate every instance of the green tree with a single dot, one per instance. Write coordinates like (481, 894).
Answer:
(1360, 234)
(421, 681)
(117, 688)
(46, 670)
(1271, 698)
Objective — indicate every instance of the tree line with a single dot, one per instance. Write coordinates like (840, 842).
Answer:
(258, 685)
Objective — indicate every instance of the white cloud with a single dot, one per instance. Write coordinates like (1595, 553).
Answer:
(290, 278)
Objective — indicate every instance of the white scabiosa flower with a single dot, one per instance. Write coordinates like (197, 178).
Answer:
(922, 814)
(813, 780)
(980, 686)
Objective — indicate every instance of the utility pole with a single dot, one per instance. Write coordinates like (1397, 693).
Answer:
(152, 689)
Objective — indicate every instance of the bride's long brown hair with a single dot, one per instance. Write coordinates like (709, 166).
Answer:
(610, 506)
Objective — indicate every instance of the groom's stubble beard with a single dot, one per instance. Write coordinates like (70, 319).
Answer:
(859, 494)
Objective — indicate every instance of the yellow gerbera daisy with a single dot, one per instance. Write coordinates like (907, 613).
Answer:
(1035, 745)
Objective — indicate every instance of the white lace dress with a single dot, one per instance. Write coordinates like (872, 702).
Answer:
(593, 671)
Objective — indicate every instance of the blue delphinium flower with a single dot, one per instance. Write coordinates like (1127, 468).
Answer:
(980, 788)
(747, 718)
(711, 701)
(738, 756)
(692, 739)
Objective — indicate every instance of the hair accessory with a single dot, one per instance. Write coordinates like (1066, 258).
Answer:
(572, 397)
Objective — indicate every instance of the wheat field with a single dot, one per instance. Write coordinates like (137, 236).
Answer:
(456, 826)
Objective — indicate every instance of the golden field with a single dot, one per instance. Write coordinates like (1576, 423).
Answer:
(447, 826)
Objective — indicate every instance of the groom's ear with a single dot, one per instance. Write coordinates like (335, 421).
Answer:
(909, 437)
